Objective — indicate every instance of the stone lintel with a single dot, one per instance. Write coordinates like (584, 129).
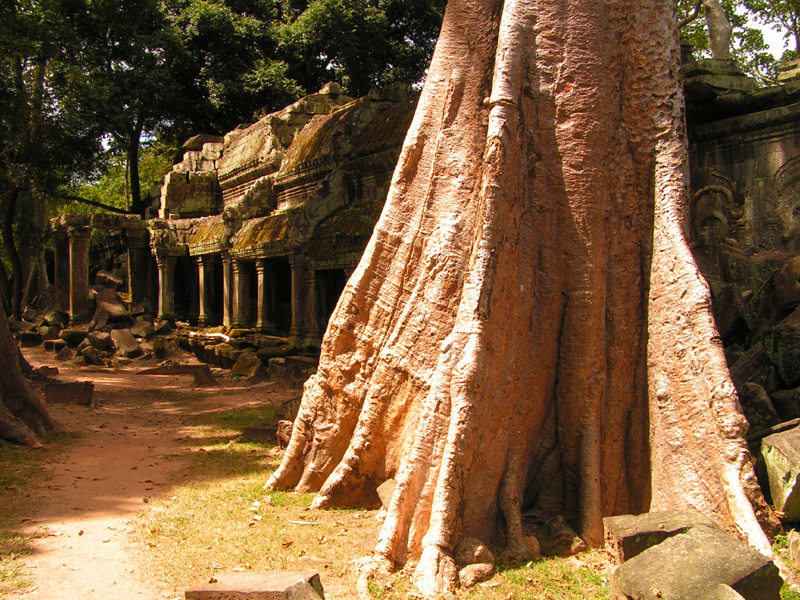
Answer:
(260, 586)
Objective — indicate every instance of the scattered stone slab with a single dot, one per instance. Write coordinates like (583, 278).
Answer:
(69, 392)
(72, 336)
(629, 535)
(202, 373)
(260, 586)
(688, 565)
(557, 538)
(781, 455)
(125, 343)
(475, 573)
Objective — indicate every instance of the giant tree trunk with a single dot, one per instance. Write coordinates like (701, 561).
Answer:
(23, 415)
(527, 329)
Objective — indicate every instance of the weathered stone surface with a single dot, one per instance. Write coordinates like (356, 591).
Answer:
(126, 344)
(722, 592)
(557, 538)
(72, 336)
(475, 573)
(65, 354)
(752, 366)
(786, 403)
(249, 365)
(794, 546)
(159, 349)
(117, 313)
(56, 318)
(688, 565)
(471, 550)
(260, 586)
(269, 352)
(386, 491)
(142, 329)
(46, 371)
(29, 339)
(629, 535)
(782, 347)
(69, 392)
(757, 406)
(91, 356)
(100, 319)
(100, 340)
(781, 455)
(162, 327)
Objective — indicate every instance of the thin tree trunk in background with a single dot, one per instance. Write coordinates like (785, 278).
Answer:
(133, 167)
(527, 330)
(13, 255)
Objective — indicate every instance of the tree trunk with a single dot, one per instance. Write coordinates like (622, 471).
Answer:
(133, 168)
(13, 255)
(23, 415)
(527, 330)
(719, 29)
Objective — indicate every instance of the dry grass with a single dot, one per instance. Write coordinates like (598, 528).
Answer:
(218, 518)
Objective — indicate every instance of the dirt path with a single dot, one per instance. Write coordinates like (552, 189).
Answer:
(128, 446)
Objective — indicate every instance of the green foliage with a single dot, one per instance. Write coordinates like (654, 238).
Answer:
(748, 47)
(781, 15)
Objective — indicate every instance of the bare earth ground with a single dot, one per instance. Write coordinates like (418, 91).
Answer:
(127, 447)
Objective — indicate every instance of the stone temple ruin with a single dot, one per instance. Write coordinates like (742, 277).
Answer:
(256, 230)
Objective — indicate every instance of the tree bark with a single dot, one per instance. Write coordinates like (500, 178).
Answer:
(23, 415)
(527, 330)
(133, 167)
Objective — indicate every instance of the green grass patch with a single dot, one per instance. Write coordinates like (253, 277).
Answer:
(23, 470)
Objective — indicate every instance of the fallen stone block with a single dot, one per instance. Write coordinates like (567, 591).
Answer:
(54, 345)
(259, 586)
(69, 392)
(202, 373)
(722, 592)
(249, 365)
(259, 435)
(117, 313)
(65, 354)
(46, 371)
(142, 329)
(284, 433)
(688, 565)
(781, 455)
(100, 340)
(126, 344)
(385, 493)
(475, 573)
(56, 318)
(629, 535)
(557, 538)
(92, 357)
(30, 339)
(72, 336)
(107, 280)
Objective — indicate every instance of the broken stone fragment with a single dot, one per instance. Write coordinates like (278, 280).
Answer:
(162, 327)
(722, 592)
(688, 565)
(56, 318)
(781, 455)
(259, 586)
(126, 344)
(475, 573)
(757, 406)
(117, 313)
(557, 538)
(629, 535)
(284, 433)
(92, 357)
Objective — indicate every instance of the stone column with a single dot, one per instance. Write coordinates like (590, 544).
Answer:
(166, 287)
(61, 243)
(79, 274)
(241, 294)
(313, 327)
(297, 329)
(262, 320)
(205, 280)
(227, 291)
(139, 268)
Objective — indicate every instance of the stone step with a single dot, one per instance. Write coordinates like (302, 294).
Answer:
(276, 585)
